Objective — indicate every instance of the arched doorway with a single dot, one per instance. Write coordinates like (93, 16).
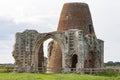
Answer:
(74, 62)
(38, 58)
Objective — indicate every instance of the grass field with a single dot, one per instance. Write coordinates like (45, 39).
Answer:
(34, 76)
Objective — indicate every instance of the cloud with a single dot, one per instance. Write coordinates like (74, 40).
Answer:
(43, 16)
(6, 56)
(6, 51)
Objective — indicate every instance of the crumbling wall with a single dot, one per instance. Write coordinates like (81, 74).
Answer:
(23, 49)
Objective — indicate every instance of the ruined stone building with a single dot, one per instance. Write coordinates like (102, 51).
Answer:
(74, 46)
(23, 49)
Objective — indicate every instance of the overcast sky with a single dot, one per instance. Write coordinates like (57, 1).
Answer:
(43, 16)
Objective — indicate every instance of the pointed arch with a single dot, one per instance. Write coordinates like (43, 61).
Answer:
(37, 48)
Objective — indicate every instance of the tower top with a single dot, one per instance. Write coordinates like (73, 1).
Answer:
(76, 3)
(76, 16)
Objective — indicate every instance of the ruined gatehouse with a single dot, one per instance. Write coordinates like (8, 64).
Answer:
(74, 46)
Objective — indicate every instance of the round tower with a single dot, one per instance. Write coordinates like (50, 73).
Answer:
(76, 16)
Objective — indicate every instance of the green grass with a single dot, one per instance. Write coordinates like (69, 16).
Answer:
(34, 76)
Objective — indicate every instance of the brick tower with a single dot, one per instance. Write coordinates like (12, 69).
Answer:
(76, 16)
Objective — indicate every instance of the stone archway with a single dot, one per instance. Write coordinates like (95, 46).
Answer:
(36, 61)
